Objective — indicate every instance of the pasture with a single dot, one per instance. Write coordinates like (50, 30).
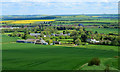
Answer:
(6, 39)
(25, 56)
(103, 30)
(19, 56)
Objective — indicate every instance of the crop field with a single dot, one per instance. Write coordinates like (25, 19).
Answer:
(103, 30)
(6, 39)
(24, 21)
(92, 21)
(19, 56)
(40, 57)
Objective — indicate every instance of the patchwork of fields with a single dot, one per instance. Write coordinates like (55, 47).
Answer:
(70, 55)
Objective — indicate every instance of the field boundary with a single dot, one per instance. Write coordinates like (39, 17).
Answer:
(81, 66)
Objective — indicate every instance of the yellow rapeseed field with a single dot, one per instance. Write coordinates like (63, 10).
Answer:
(96, 16)
(24, 21)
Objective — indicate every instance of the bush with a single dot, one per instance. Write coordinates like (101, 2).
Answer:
(115, 42)
(107, 69)
(94, 61)
(49, 41)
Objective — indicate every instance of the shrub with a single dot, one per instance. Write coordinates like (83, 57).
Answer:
(115, 42)
(116, 56)
(107, 69)
(49, 41)
(94, 61)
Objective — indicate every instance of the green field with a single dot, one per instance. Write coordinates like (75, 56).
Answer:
(8, 39)
(19, 56)
(103, 30)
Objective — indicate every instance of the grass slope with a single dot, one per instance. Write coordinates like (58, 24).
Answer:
(18, 56)
(23, 56)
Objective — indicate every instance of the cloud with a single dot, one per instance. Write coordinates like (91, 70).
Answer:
(59, 0)
(106, 0)
(10, 8)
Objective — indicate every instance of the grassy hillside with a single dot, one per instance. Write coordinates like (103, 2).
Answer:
(18, 56)
(23, 56)
(8, 39)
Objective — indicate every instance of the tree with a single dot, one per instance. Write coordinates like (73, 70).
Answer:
(63, 32)
(107, 69)
(74, 33)
(61, 37)
(66, 37)
(14, 34)
(96, 32)
(24, 36)
(118, 39)
(84, 37)
(56, 38)
(49, 41)
(30, 37)
(115, 42)
(41, 35)
(78, 41)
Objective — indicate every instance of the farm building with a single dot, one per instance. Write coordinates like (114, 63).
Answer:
(20, 41)
(45, 36)
(41, 41)
(27, 41)
(30, 40)
(81, 25)
(35, 41)
(56, 42)
(92, 41)
(34, 34)
(53, 34)
(61, 34)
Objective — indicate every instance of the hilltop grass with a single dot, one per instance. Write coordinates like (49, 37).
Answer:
(19, 56)
(26, 56)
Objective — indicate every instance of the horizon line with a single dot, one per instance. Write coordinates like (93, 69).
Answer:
(62, 14)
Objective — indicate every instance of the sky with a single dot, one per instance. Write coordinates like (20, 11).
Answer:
(58, 7)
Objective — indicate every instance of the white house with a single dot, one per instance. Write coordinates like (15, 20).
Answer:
(92, 41)
(34, 34)
(45, 36)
